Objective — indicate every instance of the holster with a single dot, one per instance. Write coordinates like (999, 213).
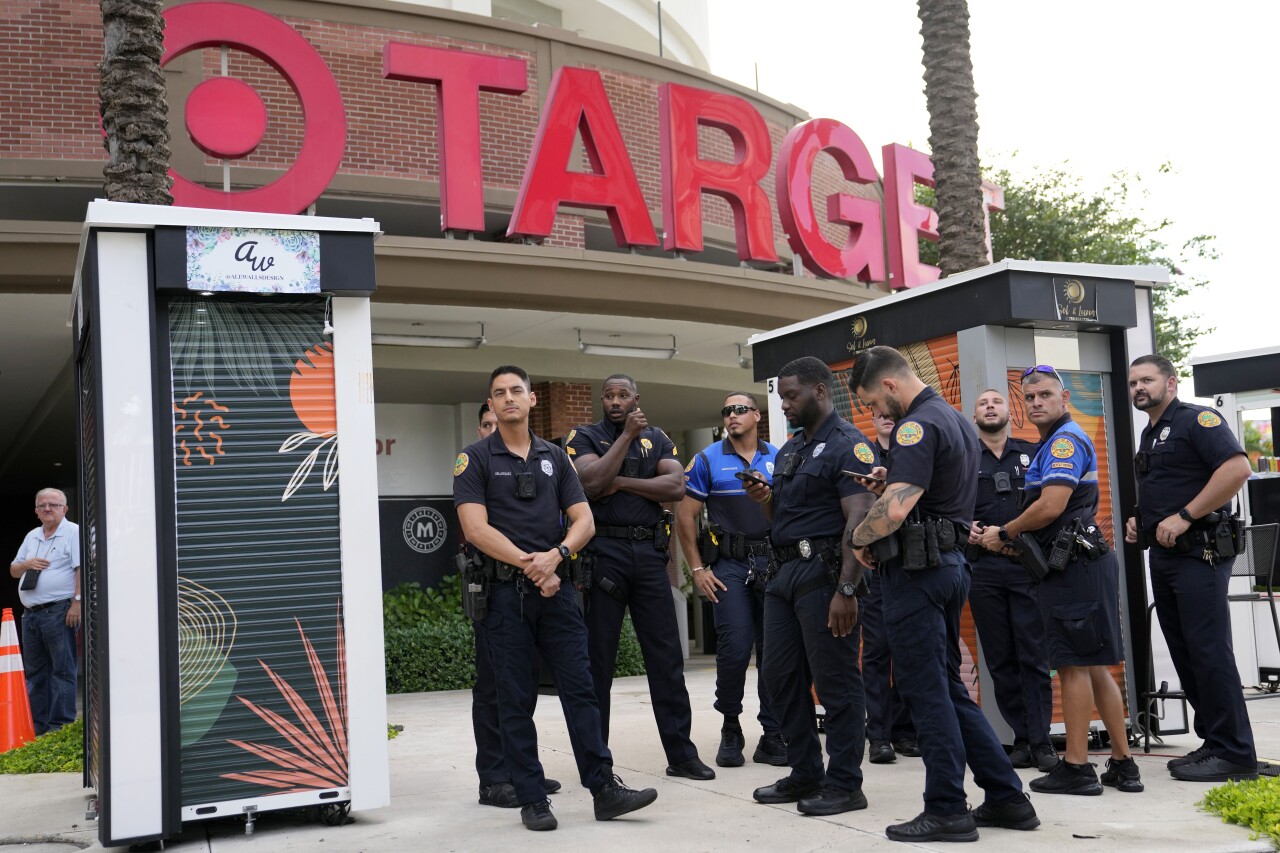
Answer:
(475, 585)
(583, 569)
(662, 531)
(1031, 557)
(886, 549)
(915, 549)
(709, 539)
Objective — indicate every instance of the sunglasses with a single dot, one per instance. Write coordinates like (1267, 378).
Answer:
(736, 409)
(1041, 368)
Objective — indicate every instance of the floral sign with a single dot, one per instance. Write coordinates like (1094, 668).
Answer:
(253, 260)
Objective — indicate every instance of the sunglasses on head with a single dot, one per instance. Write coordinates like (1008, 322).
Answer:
(1041, 368)
(736, 409)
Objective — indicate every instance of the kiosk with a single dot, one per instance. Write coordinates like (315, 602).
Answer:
(979, 330)
(233, 618)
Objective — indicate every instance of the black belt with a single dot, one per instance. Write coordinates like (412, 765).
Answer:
(736, 542)
(36, 608)
(805, 548)
(635, 534)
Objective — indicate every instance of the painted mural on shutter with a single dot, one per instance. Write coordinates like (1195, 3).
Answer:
(261, 662)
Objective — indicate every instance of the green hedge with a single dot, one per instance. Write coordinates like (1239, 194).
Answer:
(60, 751)
(1254, 803)
(441, 656)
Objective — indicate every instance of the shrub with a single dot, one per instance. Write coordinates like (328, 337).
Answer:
(408, 604)
(1255, 804)
(60, 751)
(441, 656)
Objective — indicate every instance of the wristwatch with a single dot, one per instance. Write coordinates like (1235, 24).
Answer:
(76, 597)
(1004, 534)
(565, 553)
(1186, 516)
(848, 589)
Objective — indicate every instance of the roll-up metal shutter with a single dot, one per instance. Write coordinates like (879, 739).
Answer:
(258, 575)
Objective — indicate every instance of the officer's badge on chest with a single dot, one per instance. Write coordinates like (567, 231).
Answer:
(817, 451)
(547, 468)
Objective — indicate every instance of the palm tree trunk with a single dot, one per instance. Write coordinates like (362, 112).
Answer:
(953, 133)
(132, 99)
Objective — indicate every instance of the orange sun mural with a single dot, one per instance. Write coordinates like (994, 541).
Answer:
(311, 391)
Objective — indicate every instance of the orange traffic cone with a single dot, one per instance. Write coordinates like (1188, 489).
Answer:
(16, 727)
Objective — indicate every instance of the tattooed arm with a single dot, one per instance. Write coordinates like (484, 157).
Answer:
(887, 514)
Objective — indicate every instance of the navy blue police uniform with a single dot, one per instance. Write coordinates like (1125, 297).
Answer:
(1004, 603)
(631, 572)
(1080, 605)
(520, 620)
(1177, 456)
(739, 615)
(935, 448)
(887, 715)
(808, 523)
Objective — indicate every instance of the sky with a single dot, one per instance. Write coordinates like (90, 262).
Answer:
(1094, 87)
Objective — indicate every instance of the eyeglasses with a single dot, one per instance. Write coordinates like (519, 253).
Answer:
(1041, 368)
(736, 409)
(50, 506)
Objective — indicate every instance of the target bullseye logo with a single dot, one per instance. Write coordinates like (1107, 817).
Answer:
(226, 118)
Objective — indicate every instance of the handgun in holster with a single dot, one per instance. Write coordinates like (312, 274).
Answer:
(662, 531)
(1064, 544)
(475, 584)
(709, 543)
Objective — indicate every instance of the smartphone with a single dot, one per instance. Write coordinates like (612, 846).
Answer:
(745, 476)
(855, 475)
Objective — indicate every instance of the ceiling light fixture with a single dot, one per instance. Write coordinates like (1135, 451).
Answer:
(449, 341)
(626, 351)
(744, 361)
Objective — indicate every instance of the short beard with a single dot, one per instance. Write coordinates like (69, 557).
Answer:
(993, 429)
(1150, 403)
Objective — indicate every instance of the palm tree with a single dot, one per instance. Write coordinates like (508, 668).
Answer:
(953, 133)
(132, 97)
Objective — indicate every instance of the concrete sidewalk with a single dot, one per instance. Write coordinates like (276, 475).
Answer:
(433, 804)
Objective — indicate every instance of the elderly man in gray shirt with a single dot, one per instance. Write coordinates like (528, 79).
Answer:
(49, 564)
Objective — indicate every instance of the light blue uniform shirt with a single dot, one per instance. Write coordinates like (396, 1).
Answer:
(62, 550)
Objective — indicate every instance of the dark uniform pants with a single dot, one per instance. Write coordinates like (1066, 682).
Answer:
(1191, 601)
(796, 633)
(739, 618)
(638, 573)
(515, 625)
(491, 767)
(887, 715)
(922, 609)
(1011, 629)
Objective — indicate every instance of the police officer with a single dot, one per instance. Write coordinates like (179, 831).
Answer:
(629, 469)
(510, 490)
(1079, 601)
(728, 563)
(1002, 597)
(889, 727)
(495, 783)
(810, 608)
(924, 509)
(1189, 467)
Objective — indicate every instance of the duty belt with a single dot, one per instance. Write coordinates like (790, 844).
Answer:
(635, 534)
(736, 546)
(505, 572)
(805, 548)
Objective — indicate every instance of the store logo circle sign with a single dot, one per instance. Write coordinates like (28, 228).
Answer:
(226, 118)
(424, 529)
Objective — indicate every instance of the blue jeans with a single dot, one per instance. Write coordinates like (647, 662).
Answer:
(739, 619)
(49, 658)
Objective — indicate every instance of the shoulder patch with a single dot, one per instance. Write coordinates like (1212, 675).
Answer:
(863, 452)
(1063, 448)
(909, 433)
(1208, 419)
(460, 464)
(689, 467)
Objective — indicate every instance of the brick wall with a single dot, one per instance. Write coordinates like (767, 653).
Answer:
(561, 407)
(48, 98)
